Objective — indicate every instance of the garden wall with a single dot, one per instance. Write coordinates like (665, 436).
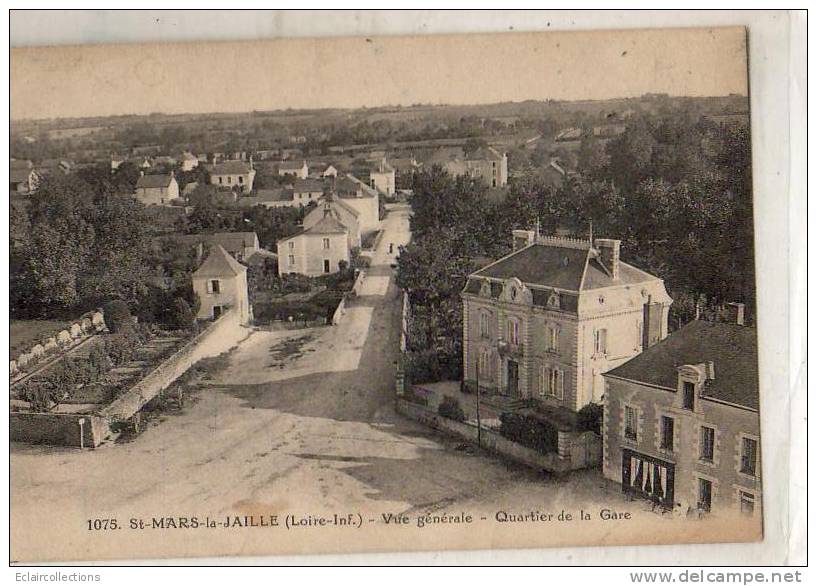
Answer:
(495, 442)
(218, 337)
(60, 429)
(56, 344)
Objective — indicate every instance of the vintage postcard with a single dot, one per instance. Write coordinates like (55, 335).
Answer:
(382, 294)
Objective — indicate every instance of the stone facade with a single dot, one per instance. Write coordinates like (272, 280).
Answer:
(551, 338)
(679, 427)
(221, 283)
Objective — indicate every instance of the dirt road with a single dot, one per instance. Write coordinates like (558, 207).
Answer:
(299, 420)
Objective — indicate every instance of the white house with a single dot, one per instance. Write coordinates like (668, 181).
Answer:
(221, 284)
(317, 250)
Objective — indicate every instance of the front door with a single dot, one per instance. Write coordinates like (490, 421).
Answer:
(216, 311)
(513, 378)
(326, 265)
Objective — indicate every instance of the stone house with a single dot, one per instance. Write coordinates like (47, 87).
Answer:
(23, 180)
(382, 178)
(157, 189)
(239, 245)
(189, 161)
(307, 190)
(231, 174)
(340, 210)
(221, 283)
(317, 250)
(681, 422)
(546, 321)
(299, 170)
(485, 163)
(365, 200)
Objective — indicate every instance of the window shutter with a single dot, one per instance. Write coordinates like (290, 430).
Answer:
(603, 340)
(561, 377)
(209, 286)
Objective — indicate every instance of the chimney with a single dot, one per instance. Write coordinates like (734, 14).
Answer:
(736, 313)
(523, 238)
(651, 328)
(608, 254)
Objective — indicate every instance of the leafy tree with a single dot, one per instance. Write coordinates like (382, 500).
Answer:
(117, 316)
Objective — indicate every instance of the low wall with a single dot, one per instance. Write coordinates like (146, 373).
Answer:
(56, 343)
(340, 311)
(361, 276)
(218, 337)
(61, 429)
(490, 439)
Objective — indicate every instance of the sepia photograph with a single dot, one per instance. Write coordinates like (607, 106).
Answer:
(383, 293)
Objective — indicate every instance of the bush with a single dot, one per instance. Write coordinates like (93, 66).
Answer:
(432, 366)
(99, 362)
(122, 347)
(117, 316)
(181, 316)
(450, 408)
(530, 431)
(40, 396)
(589, 418)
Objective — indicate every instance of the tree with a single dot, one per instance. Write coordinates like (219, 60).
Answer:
(182, 316)
(117, 316)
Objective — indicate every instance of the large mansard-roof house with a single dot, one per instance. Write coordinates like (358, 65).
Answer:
(546, 321)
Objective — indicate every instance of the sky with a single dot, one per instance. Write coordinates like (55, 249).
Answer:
(102, 80)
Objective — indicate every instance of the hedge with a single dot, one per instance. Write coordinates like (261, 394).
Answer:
(451, 409)
(530, 431)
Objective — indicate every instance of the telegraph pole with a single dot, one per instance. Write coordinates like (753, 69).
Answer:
(479, 421)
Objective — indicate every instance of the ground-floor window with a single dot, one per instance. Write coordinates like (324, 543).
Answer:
(747, 503)
(648, 477)
(704, 494)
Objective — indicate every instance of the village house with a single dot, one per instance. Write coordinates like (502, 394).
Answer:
(382, 179)
(299, 170)
(240, 245)
(485, 163)
(157, 189)
(329, 204)
(221, 284)
(116, 161)
(317, 250)
(189, 161)
(231, 174)
(307, 190)
(361, 197)
(270, 198)
(681, 423)
(546, 321)
(22, 177)
(555, 173)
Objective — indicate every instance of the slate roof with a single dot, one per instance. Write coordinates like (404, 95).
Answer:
(349, 186)
(732, 348)
(153, 181)
(19, 175)
(219, 263)
(485, 154)
(308, 185)
(267, 195)
(327, 225)
(229, 240)
(569, 266)
(291, 165)
(230, 168)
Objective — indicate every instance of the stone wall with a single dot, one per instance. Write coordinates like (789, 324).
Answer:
(61, 429)
(490, 439)
(218, 337)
